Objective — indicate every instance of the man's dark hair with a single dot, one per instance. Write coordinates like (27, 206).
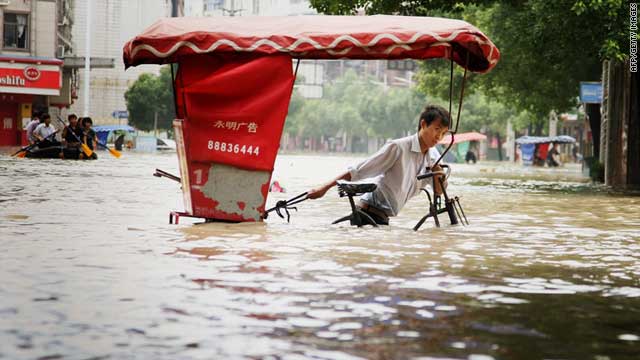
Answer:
(36, 115)
(433, 112)
(87, 120)
(72, 116)
(45, 116)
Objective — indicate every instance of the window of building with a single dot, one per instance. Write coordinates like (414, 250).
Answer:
(15, 32)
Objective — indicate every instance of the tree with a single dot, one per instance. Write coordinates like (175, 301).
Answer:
(356, 108)
(150, 94)
(547, 47)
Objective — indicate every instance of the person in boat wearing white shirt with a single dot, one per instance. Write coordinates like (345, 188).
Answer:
(43, 131)
(395, 167)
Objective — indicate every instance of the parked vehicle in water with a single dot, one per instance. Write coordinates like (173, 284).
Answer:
(165, 144)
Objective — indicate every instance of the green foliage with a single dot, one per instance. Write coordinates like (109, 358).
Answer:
(410, 7)
(356, 107)
(547, 47)
(149, 94)
(482, 112)
(362, 107)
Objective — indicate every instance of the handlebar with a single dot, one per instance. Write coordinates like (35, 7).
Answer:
(432, 173)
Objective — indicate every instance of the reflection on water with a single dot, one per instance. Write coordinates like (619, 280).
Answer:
(91, 269)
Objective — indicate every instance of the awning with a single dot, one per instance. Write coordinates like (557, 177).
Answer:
(108, 128)
(103, 131)
(562, 139)
(462, 137)
(314, 37)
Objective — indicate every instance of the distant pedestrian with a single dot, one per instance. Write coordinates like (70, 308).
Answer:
(553, 156)
(470, 157)
(275, 187)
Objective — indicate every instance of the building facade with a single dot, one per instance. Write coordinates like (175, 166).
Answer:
(248, 7)
(113, 22)
(32, 73)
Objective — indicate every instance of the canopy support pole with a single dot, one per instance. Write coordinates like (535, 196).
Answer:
(455, 129)
(295, 73)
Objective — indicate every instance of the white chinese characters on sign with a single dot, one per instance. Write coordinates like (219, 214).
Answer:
(236, 126)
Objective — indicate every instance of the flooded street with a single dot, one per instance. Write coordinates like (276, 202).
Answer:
(91, 269)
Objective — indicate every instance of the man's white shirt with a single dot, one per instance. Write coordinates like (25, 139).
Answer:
(394, 168)
(43, 130)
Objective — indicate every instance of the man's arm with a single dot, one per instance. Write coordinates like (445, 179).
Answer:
(377, 164)
(64, 136)
(319, 192)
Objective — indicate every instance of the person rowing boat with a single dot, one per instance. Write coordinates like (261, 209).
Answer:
(68, 139)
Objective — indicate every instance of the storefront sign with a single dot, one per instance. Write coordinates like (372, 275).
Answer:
(37, 79)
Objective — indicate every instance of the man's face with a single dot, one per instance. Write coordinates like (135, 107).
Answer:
(47, 121)
(433, 133)
(73, 121)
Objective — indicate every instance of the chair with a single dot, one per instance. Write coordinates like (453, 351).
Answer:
(351, 189)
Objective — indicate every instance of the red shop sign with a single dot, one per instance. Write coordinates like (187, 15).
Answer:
(30, 80)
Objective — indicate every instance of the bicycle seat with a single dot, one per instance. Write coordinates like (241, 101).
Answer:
(350, 188)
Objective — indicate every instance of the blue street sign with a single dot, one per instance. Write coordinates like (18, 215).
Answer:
(120, 114)
(591, 92)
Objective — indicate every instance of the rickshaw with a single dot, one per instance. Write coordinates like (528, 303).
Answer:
(233, 78)
(534, 148)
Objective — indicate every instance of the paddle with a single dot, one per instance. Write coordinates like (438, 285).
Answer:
(85, 149)
(113, 152)
(23, 152)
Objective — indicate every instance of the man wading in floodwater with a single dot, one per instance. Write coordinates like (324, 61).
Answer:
(395, 167)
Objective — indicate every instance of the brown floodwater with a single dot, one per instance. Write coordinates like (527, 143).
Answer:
(90, 269)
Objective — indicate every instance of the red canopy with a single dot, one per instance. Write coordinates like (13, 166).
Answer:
(315, 37)
(470, 136)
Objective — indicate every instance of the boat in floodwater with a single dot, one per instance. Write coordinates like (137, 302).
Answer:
(59, 152)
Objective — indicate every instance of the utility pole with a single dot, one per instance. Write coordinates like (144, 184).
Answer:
(155, 124)
(87, 61)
